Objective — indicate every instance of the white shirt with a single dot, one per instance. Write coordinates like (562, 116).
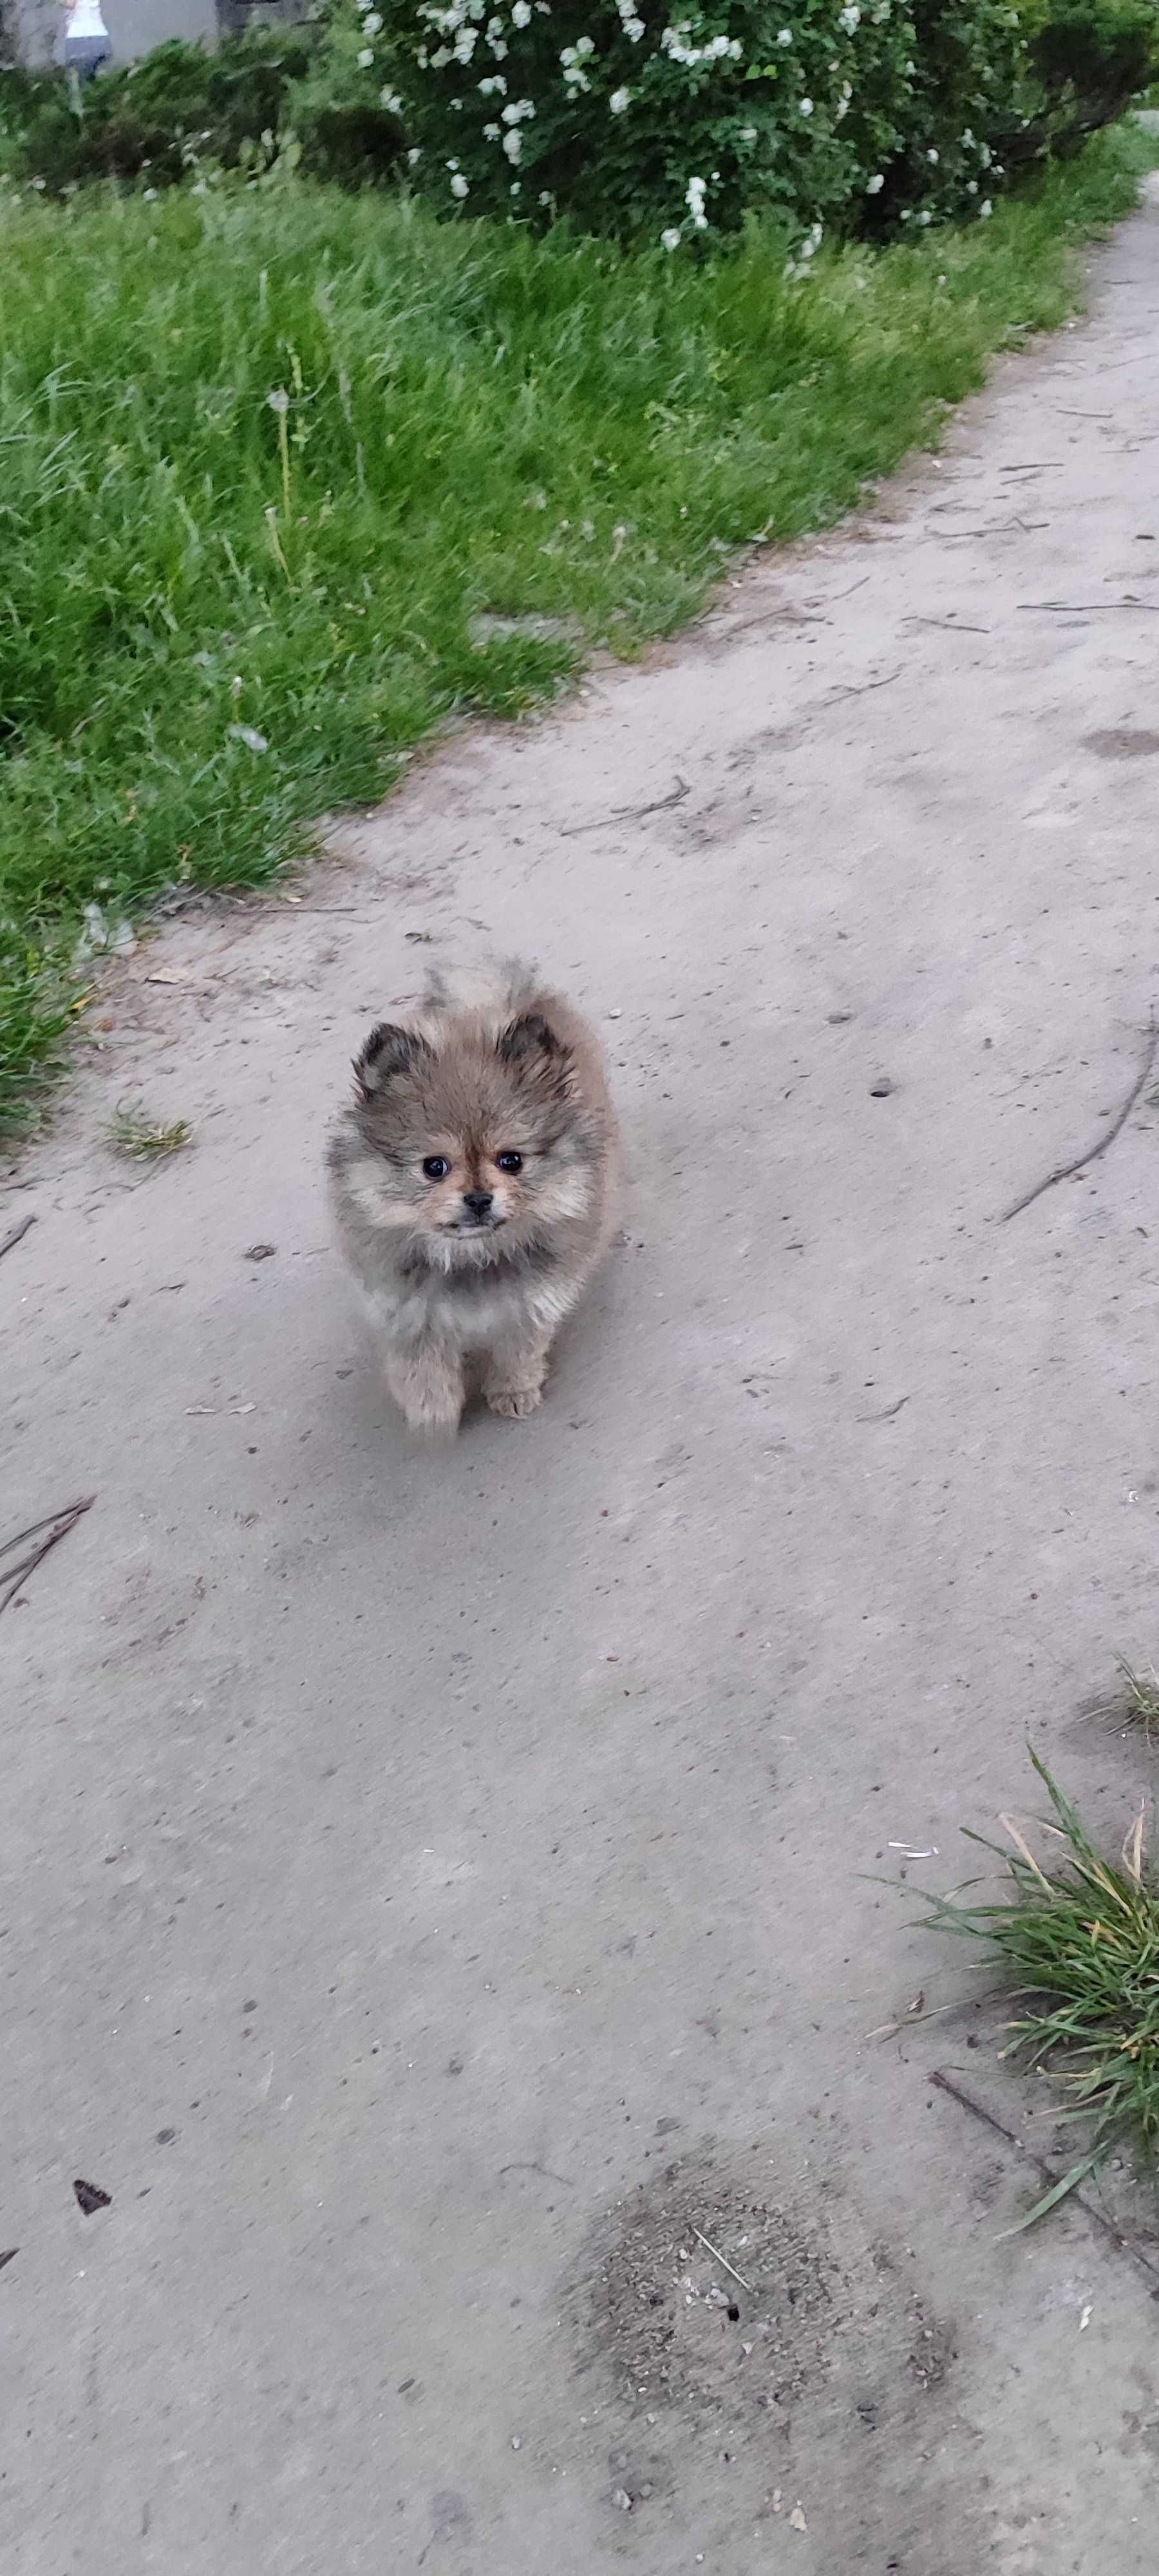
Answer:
(84, 19)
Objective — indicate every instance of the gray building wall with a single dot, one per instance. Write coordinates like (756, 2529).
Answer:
(134, 25)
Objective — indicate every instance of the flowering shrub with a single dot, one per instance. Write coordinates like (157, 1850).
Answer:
(675, 118)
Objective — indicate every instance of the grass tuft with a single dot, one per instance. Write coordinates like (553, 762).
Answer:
(131, 1131)
(1078, 1942)
(290, 477)
(1139, 1704)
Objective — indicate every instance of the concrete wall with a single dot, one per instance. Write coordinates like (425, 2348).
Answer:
(134, 25)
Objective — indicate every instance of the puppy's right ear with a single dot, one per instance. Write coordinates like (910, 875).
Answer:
(389, 1050)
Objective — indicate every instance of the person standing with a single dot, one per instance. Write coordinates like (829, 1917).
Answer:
(87, 42)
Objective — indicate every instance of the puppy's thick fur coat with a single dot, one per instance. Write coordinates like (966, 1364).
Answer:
(471, 1178)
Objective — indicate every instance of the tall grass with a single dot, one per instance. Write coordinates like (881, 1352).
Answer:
(266, 455)
(1077, 1943)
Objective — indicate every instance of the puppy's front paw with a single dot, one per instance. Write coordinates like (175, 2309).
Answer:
(514, 1401)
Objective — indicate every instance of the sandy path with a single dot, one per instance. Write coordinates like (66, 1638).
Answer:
(438, 1888)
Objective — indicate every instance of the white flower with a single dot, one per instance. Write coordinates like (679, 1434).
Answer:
(619, 100)
(806, 106)
(670, 240)
(366, 57)
(748, 134)
(390, 100)
(850, 18)
(985, 208)
(925, 217)
(372, 25)
(518, 109)
(149, 196)
(513, 144)
(583, 48)
(491, 133)
(786, 36)
(874, 186)
(496, 86)
(634, 29)
(521, 14)
(459, 186)
(414, 156)
(931, 154)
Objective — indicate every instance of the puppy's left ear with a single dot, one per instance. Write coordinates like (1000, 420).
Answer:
(526, 1039)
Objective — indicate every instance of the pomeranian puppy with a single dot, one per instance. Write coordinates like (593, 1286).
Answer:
(471, 1178)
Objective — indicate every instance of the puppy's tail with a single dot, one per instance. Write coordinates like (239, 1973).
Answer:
(503, 984)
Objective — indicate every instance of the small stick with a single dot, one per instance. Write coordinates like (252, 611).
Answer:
(865, 688)
(888, 1412)
(1067, 1171)
(952, 625)
(1123, 2244)
(630, 813)
(59, 1528)
(17, 1235)
(1086, 607)
(723, 2260)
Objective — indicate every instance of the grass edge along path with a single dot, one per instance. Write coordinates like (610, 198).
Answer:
(292, 477)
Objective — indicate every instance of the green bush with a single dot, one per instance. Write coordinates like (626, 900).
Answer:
(627, 117)
(153, 119)
(636, 118)
(1092, 62)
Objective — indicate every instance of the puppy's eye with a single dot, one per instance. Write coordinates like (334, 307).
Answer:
(509, 1162)
(436, 1167)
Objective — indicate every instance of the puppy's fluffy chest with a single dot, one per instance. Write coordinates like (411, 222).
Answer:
(472, 1307)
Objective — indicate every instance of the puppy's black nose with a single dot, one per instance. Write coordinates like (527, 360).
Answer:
(478, 1202)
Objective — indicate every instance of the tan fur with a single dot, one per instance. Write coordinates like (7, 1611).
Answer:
(474, 1268)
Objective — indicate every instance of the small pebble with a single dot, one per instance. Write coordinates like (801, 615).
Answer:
(260, 1252)
(881, 1089)
(623, 2499)
(516, 2443)
(615, 1015)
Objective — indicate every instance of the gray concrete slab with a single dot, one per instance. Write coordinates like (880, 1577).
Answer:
(438, 1887)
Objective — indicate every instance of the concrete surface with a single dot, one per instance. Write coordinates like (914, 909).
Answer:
(438, 1887)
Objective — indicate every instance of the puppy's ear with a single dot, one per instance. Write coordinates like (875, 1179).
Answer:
(527, 1039)
(389, 1050)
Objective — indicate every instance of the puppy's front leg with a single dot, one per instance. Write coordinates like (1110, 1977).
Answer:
(426, 1381)
(515, 1370)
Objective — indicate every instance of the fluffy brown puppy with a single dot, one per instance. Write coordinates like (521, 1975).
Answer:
(471, 1178)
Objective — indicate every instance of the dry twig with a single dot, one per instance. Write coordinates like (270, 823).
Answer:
(1068, 1171)
(16, 1235)
(630, 813)
(57, 1525)
(1123, 2244)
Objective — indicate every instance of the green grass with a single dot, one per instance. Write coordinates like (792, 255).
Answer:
(220, 615)
(131, 1131)
(1139, 1702)
(1077, 1941)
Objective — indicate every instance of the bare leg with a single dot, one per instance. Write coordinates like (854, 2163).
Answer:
(426, 1381)
(514, 1372)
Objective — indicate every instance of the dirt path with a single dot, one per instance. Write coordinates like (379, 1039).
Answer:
(442, 1888)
